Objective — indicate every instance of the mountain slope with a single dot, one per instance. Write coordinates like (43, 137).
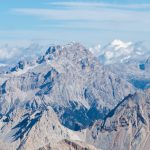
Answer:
(32, 130)
(70, 80)
(136, 71)
(126, 126)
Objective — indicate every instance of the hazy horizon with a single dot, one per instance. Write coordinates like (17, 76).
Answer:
(43, 22)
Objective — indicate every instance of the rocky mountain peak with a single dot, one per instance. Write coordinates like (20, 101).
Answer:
(148, 60)
(71, 52)
(50, 50)
(21, 65)
(119, 51)
(119, 44)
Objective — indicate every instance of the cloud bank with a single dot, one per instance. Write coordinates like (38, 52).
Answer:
(10, 55)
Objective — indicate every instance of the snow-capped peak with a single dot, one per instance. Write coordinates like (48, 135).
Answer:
(120, 44)
(119, 51)
(96, 50)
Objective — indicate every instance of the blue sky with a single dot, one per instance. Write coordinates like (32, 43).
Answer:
(90, 22)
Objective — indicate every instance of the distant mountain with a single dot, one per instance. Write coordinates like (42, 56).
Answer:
(118, 51)
(137, 73)
(67, 83)
(128, 60)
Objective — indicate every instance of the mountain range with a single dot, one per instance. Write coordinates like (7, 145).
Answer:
(70, 99)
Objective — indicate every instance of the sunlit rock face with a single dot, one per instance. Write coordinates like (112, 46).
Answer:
(126, 126)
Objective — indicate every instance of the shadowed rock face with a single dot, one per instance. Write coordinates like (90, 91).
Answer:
(69, 80)
(126, 126)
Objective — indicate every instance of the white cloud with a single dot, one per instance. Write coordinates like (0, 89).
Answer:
(120, 44)
(100, 5)
(12, 54)
(7, 52)
(96, 50)
(85, 14)
(3, 65)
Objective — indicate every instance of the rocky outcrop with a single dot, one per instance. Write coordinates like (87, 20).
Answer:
(69, 145)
